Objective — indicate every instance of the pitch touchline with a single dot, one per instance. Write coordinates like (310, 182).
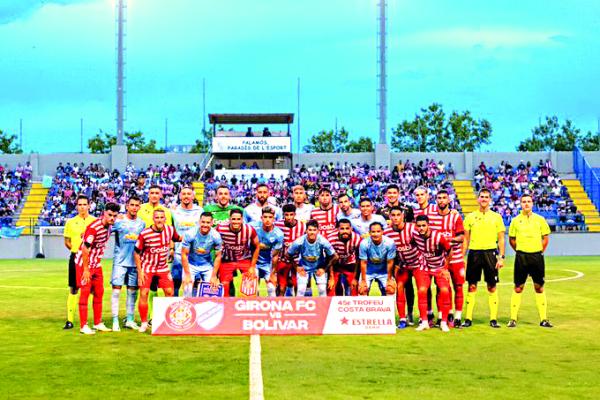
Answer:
(256, 379)
(578, 275)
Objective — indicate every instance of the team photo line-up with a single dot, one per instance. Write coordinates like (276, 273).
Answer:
(343, 250)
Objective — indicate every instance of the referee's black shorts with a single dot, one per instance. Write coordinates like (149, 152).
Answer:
(529, 264)
(72, 273)
(482, 261)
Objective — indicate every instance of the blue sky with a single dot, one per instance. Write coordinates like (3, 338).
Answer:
(509, 63)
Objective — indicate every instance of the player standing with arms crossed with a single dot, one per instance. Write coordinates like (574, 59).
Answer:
(74, 229)
(126, 229)
(151, 260)
(89, 267)
(484, 240)
(528, 236)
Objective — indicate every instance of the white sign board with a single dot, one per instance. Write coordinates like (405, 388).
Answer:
(247, 174)
(251, 145)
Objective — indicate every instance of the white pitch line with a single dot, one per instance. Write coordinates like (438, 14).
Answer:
(256, 379)
(578, 275)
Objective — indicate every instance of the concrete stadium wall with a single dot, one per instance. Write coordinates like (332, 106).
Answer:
(464, 163)
(25, 247)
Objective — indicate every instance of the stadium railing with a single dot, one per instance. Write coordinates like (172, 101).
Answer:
(587, 176)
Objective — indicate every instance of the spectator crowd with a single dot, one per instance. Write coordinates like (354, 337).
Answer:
(551, 198)
(13, 183)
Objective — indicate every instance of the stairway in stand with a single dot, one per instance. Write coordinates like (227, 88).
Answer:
(32, 207)
(465, 194)
(199, 190)
(583, 204)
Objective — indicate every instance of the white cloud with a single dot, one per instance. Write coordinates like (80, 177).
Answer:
(486, 37)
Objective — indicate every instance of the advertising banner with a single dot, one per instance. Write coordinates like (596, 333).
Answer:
(274, 316)
(251, 145)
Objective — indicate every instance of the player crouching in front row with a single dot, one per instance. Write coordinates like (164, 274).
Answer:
(377, 254)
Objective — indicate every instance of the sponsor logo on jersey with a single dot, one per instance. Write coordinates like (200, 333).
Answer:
(154, 250)
(131, 236)
(310, 258)
(201, 250)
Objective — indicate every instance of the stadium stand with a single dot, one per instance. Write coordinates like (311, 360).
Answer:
(551, 197)
(13, 183)
(103, 185)
(356, 180)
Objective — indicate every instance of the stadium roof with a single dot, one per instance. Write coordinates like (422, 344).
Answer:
(251, 118)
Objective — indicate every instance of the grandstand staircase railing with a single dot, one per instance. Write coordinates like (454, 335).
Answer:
(585, 190)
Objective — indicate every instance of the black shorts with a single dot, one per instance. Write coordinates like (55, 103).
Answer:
(482, 260)
(154, 284)
(72, 273)
(529, 264)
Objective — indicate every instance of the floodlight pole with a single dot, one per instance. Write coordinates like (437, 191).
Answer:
(382, 72)
(121, 20)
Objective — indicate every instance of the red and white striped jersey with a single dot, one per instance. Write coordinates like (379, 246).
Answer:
(408, 255)
(94, 238)
(290, 233)
(346, 251)
(326, 218)
(450, 225)
(237, 245)
(433, 248)
(154, 248)
(431, 208)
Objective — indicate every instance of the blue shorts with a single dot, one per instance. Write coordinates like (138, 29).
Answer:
(124, 276)
(263, 271)
(200, 274)
(380, 278)
(176, 268)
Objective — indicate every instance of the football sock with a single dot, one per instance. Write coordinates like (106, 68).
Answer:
(322, 289)
(540, 301)
(459, 297)
(72, 301)
(515, 304)
(114, 303)
(143, 308)
(270, 289)
(493, 302)
(84, 297)
(470, 304)
(151, 295)
(458, 315)
(130, 303)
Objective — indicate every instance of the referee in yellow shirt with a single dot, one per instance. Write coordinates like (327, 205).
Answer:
(484, 240)
(528, 236)
(73, 233)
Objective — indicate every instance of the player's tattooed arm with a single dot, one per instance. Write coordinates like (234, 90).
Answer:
(274, 261)
(214, 280)
(255, 254)
(85, 263)
(185, 263)
(138, 265)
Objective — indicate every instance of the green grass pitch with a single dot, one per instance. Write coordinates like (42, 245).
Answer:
(40, 360)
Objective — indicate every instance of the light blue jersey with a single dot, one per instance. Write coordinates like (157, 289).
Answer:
(126, 233)
(377, 256)
(253, 212)
(352, 213)
(200, 247)
(186, 223)
(310, 253)
(361, 226)
(269, 241)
